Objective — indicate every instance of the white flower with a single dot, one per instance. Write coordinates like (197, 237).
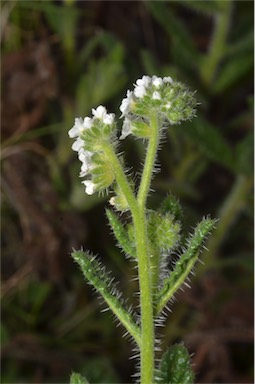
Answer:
(80, 126)
(126, 129)
(77, 128)
(78, 144)
(109, 119)
(144, 81)
(89, 187)
(168, 79)
(126, 104)
(140, 91)
(156, 95)
(100, 112)
(157, 81)
(87, 123)
(85, 158)
(85, 169)
(84, 155)
(168, 105)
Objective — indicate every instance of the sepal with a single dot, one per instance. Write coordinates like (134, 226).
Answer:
(99, 133)
(141, 129)
(102, 172)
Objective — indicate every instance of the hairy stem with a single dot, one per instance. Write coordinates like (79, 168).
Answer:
(138, 210)
(144, 270)
(149, 162)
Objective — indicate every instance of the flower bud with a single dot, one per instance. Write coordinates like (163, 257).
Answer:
(163, 231)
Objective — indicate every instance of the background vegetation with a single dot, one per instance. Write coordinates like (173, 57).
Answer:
(60, 59)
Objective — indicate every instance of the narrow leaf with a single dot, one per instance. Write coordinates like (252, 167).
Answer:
(183, 48)
(233, 71)
(175, 367)
(76, 378)
(210, 141)
(96, 274)
(120, 233)
(185, 263)
(207, 7)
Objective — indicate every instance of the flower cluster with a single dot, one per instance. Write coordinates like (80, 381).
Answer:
(153, 98)
(171, 99)
(89, 134)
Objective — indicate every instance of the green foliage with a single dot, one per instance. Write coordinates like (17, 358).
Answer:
(210, 141)
(184, 264)
(175, 366)
(120, 233)
(76, 378)
(96, 274)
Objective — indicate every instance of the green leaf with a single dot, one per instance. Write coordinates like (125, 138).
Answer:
(120, 233)
(184, 264)
(207, 7)
(244, 155)
(101, 280)
(232, 71)
(76, 378)
(183, 48)
(210, 141)
(175, 367)
(99, 84)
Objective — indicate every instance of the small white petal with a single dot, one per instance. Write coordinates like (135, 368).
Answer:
(89, 187)
(126, 103)
(87, 123)
(85, 169)
(144, 81)
(100, 112)
(109, 119)
(77, 128)
(168, 79)
(77, 145)
(84, 155)
(156, 96)
(157, 81)
(168, 105)
(140, 91)
(126, 129)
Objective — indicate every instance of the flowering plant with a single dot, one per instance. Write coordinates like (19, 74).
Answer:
(151, 236)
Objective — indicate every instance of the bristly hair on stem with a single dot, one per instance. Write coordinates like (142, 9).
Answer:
(150, 236)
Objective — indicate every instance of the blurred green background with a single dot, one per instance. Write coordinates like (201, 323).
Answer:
(60, 59)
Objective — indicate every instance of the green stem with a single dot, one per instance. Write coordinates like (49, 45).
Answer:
(138, 210)
(149, 162)
(145, 278)
(121, 177)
